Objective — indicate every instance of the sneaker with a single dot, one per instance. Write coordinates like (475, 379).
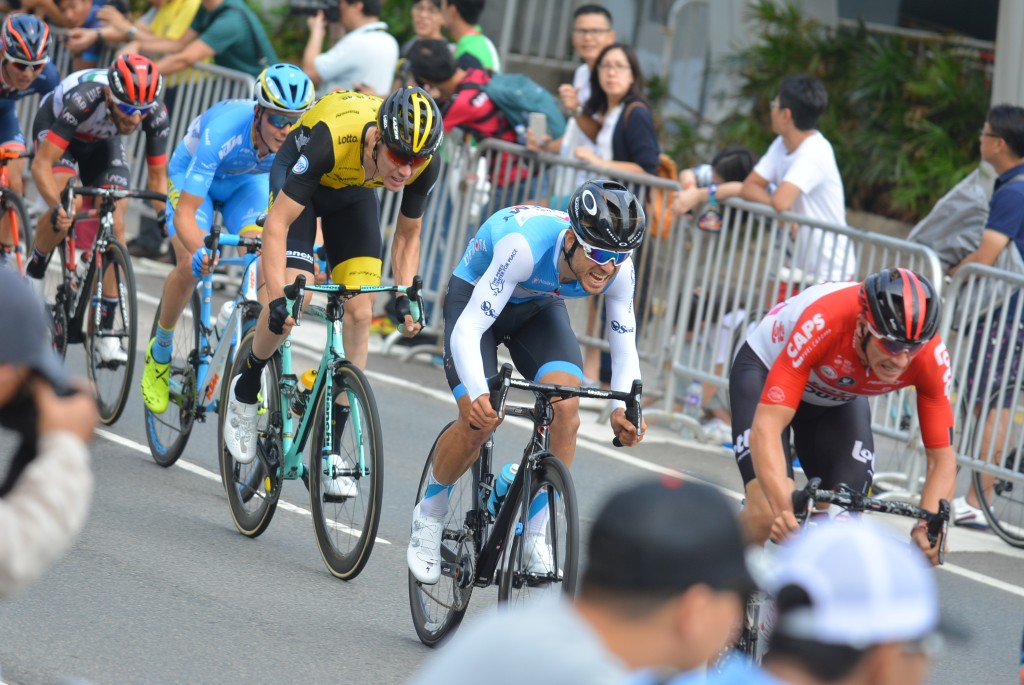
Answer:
(424, 553)
(537, 555)
(966, 516)
(109, 350)
(382, 325)
(339, 486)
(156, 382)
(240, 427)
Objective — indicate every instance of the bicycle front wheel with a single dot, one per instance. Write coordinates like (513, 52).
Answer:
(1002, 499)
(553, 524)
(252, 493)
(19, 231)
(438, 609)
(167, 433)
(110, 348)
(346, 486)
(58, 294)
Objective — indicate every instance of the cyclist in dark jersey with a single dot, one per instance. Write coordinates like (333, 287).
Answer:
(809, 368)
(77, 133)
(25, 69)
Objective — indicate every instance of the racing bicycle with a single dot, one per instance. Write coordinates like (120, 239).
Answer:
(204, 348)
(14, 254)
(480, 548)
(94, 299)
(337, 416)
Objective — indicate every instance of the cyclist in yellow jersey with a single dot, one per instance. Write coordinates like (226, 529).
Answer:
(346, 145)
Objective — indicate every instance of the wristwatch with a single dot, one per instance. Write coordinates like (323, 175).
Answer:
(132, 32)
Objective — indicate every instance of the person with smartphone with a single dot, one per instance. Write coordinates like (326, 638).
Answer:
(46, 492)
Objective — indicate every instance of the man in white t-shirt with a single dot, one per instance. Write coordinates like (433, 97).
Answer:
(801, 165)
(364, 59)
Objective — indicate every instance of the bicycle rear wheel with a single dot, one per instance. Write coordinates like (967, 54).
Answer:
(1002, 499)
(345, 487)
(57, 292)
(16, 218)
(552, 487)
(252, 493)
(167, 433)
(438, 609)
(110, 374)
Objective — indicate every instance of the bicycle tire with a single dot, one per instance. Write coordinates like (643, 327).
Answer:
(1003, 507)
(168, 433)
(13, 207)
(516, 585)
(437, 610)
(252, 494)
(346, 526)
(112, 381)
(57, 293)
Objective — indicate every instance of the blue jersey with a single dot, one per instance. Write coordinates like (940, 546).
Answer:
(218, 145)
(543, 230)
(46, 81)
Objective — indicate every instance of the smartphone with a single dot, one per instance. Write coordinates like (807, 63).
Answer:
(538, 124)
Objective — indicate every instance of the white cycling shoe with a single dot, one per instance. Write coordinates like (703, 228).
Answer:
(537, 556)
(240, 429)
(338, 486)
(110, 350)
(424, 553)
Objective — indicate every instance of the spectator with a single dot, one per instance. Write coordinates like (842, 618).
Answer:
(1001, 145)
(225, 30)
(855, 606)
(363, 60)
(801, 164)
(625, 138)
(427, 22)
(45, 495)
(48, 10)
(83, 37)
(657, 595)
(472, 48)
(725, 175)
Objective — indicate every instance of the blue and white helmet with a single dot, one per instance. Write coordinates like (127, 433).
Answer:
(284, 88)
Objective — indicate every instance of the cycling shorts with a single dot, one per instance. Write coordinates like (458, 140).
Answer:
(833, 443)
(240, 200)
(537, 334)
(351, 228)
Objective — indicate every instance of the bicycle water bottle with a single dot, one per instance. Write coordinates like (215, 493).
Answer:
(225, 314)
(301, 396)
(693, 400)
(501, 484)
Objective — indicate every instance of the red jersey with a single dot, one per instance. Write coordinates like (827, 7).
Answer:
(807, 344)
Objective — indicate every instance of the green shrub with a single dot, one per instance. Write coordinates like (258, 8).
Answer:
(903, 113)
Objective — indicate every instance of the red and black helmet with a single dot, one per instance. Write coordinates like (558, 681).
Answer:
(134, 80)
(25, 38)
(901, 305)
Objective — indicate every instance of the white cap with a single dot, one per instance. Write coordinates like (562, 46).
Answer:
(866, 587)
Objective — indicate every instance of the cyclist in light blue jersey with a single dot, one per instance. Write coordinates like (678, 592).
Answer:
(509, 289)
(223, 163)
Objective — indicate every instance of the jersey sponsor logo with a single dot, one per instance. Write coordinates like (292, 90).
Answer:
(802, 336)
(77, 99)
(300, 166)
(488, 309)
(619, 328)
(828, 372)
(301, 139)
(827, 393)
(297, 254)
(741, 447)
(229, 145)
(778, 332)
(498, 282)
(347, 139)
(847, 381)
(942, 359)
(776, 394)
(863, 455)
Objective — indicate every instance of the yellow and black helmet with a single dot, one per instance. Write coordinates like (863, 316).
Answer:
(410, 122)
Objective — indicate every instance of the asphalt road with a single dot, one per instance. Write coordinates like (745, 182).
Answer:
(160, 588)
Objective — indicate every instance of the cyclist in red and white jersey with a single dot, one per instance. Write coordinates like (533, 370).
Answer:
(810, 366)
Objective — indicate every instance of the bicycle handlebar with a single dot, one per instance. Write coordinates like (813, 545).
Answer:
(937, 522)
(215, 238)
(121, 193)
(414, 292)
(502, 382)
(7, 155)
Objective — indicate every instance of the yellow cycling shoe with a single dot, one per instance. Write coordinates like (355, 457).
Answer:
(156, 382)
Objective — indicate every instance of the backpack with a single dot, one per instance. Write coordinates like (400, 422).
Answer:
(516, 95)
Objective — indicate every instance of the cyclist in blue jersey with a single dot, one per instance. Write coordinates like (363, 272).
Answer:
(509, 288)
(223, 163)
(25, 69)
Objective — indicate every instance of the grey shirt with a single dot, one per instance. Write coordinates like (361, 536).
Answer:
(545, 643)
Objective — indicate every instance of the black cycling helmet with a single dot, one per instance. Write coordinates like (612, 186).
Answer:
(901, 305)
(25, 38)
(410, 122)
(605, 215)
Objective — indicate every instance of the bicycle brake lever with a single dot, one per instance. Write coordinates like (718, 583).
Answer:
(297, 292)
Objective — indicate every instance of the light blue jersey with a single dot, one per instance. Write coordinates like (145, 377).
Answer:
(544, 231)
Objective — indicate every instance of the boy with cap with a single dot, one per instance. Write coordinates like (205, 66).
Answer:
(658, 594)
(46, 492)
(855, 606)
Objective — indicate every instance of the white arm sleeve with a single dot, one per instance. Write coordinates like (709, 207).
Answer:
(618, 305)
(512, 264)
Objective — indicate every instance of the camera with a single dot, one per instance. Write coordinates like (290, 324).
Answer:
(330, 8)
